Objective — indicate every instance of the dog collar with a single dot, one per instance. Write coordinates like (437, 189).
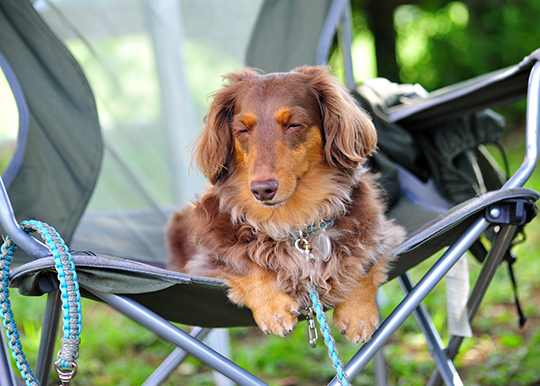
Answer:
(303, 242)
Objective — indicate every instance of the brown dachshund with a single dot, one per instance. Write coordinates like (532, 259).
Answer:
(290, 204)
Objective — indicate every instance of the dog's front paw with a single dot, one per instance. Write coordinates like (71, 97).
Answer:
(356, 322)
(278, 315)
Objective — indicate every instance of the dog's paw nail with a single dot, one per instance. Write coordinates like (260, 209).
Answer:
(343, 332)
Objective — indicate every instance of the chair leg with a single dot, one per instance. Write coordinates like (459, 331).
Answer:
(379, 362)
(493, 260)
(49, 333)
(173, 334)
(413, 300)
(379, 369)
(219, 340)
(445, 366)
(174, 360)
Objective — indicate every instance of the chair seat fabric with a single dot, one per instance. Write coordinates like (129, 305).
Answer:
(203, 301)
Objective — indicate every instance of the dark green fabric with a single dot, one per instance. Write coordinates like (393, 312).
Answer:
(175, 296)
(64, 147)
(286, 34)
(393, 140)
(394, 144)
(448, 147)
(494, 176)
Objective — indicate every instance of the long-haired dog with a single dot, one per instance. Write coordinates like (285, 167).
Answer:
(290, 204)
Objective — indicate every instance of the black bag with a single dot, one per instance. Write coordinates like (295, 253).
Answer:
(450, 151)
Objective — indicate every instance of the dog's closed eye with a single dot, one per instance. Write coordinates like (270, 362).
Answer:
(303, 95)
(294, 126)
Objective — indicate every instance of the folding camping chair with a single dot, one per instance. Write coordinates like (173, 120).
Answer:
(56, 164)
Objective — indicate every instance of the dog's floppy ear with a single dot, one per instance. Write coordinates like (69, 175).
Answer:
(349, 132)
(214, 147)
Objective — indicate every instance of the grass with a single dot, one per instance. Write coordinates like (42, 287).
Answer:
(116, 351)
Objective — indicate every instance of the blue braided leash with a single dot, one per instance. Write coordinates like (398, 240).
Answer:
(71, 303)
(328, 338)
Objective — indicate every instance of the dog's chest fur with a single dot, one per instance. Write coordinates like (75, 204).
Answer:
(221, 248)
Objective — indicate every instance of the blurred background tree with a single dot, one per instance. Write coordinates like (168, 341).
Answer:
(437, 43)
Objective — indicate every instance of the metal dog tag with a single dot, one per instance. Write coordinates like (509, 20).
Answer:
(325, 246)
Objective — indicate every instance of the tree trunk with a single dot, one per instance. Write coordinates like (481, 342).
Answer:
(380, 18)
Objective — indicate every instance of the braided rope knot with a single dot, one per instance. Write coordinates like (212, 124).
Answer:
(70, 294)
(69, 351)
(329, 341)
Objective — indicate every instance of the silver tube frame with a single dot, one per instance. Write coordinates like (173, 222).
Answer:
(428, 282)
(532, 135)
(174, 360)
(492, 262)
(339, 19)
(7, 377)
(49, 333)
(180, 338)
(31, 245)
(360, 360)
(445, 366)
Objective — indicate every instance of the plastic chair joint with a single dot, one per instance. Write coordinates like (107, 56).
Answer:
(517, 211)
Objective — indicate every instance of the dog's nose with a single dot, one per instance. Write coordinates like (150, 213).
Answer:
(264, 190)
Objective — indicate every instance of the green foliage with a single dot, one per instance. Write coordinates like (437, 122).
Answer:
(420, 31)
(438, 46)
(9, 122)
(439, 42)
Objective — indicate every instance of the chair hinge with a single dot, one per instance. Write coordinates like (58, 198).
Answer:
(511, 212)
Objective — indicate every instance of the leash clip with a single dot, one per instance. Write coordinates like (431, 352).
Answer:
(66, 376)
(312, 330)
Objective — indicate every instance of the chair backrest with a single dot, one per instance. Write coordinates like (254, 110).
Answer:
(151, 65)
(52, 173)
(287, 34)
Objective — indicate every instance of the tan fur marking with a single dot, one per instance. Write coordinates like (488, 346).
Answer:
(358, 317)
(274, 311)
(283, 116)
(249, 120)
